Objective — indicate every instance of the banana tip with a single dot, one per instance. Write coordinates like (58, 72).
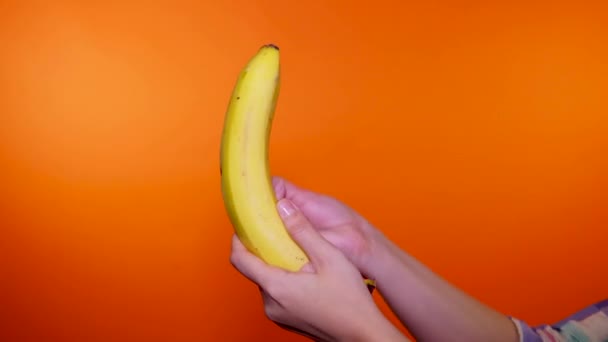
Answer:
(273, 46)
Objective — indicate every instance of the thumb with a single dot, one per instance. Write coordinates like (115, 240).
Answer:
(319, 250)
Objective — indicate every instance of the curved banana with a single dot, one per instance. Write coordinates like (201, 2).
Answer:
(246, 180)
(247, 189)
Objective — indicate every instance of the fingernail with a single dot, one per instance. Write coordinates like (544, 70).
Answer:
(286, 208)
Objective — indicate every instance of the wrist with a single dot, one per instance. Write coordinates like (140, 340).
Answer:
(376, 327)
(381, 254)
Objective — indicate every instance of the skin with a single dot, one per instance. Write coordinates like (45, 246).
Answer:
(318, 300)
(343, 246)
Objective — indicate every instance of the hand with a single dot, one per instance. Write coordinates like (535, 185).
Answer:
(411, 290)
(325, 300)
(342, 226)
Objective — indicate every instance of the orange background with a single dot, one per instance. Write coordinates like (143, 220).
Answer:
(472, 133)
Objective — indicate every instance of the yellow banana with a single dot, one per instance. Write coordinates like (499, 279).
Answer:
(247, 189)
(246, 180)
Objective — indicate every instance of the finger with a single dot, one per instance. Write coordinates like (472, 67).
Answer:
(318, 249)
(320, 209)
(297, 331)
(286, 189)
(308, 268)
(336, 238)
(252, 267)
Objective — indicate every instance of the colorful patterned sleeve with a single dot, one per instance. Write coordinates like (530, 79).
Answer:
(587, 325)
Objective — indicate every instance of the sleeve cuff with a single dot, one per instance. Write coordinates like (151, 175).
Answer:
(525, 332)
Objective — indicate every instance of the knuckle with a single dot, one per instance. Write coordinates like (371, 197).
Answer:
(271, 312)
(298, 225)
(276, 291)
(234, 259)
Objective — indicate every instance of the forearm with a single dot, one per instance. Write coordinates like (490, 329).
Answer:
(431, 308)
(376, 327)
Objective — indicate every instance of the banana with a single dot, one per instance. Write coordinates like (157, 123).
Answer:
(247, 189)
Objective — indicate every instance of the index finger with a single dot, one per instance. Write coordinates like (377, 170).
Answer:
(318, 250)
(252, 267)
